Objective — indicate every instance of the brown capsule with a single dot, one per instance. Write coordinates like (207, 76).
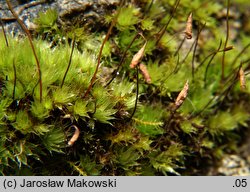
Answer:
(138, 56)
(189, 26)
(228, 48)
(145, 73)
(182, 96)
(242, 79)
(75, 136)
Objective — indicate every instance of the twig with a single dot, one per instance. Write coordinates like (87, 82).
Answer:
(70, 59)
(14, 86)
(175, 70)
(226, 91)
(195, 47)
(4, 33)
(214, 53)
(179, 47)
(209, 55)
(163, 29)
(225, 45)
(31, 44)
(149, 7)
(122, 59)
(246, 61)
(137, 93)
(100, 54)
(177, 67)
(189, 51)
(229, 88)
(238, 56)
(210, 61)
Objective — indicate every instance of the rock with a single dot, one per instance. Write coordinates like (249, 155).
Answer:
(70, 12)
(85, 13)
(26, 10)
(233, 165)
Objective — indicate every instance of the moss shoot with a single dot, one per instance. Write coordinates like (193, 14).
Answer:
(126, 124)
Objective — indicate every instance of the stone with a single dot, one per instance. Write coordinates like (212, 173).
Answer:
(70, 12)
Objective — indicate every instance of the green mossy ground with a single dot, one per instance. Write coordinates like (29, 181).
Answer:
(155, 141)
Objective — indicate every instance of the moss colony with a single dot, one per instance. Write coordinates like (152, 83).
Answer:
(90, 113)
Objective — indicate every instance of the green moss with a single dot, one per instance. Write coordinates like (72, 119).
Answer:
(127, 17)
(149, 120)
(155, 140)
(165, 161)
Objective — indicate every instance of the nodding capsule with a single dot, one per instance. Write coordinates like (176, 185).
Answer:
(138, 56)
(182, 96)
(189, 26)
(228, 48)
(75, 136)
(145, 73)
(242, 79)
